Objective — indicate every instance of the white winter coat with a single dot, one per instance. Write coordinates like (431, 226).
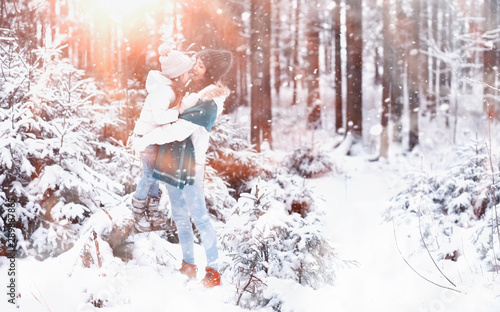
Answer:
(155, 111)
(182, 129)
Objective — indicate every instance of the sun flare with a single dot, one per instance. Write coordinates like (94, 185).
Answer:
(122, 8)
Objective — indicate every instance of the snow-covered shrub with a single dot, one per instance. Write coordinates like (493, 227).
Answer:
(448, 198)
(308, 162)
(294, 193)
(462, 186)
(264, 240)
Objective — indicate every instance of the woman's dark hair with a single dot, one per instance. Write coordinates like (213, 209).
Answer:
(191, 86)
(179, 91)
(217, 64)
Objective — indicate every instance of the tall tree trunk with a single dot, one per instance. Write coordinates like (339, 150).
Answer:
(354, 41)
(312, 65)
(386, 79)
(397, 77)
(276, 32)
(492, 59)
(428, 107)
(240, 89)
(295, 69)
(338, 67)
(312, 68)
(52, 29)
(261, 115)
(414, 63)
(102, 52)
(63, 25)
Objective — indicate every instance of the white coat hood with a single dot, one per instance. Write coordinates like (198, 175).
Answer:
(155, 80)
(155, 111)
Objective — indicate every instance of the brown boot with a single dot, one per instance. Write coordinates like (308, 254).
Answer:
(156, 217)
(188, 269)
(139, 208)
(211, 279)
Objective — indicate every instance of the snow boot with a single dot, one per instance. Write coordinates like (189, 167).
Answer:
(156, 217)
(211, 279)
(139, 208)
(188, 269)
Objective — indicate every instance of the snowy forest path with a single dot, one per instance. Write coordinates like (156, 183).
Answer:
(354, 203)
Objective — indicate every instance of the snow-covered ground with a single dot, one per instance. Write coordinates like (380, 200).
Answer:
(382, 281)
(354, 201)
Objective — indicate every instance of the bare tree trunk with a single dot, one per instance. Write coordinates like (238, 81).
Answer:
(397, 77)
(261, 115)
(429, 104)
(492, 59)
(295, 75)
(276, 32)
(414, 63)
(312, 68)
(63, 26)
(386, 79)
(339, 124)
(354, 41)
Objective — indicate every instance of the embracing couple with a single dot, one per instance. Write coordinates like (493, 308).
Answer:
(172, 136)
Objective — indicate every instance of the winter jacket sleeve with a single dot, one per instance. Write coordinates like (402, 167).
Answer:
(220, 103)
(218, 93)
(177, 131)
(160, 101)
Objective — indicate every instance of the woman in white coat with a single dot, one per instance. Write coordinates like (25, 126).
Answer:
(185, 184)
(165, 89)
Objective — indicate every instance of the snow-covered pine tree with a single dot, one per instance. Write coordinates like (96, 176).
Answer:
(266, 240)
(56, 165)
(435, 204)
(15, 118)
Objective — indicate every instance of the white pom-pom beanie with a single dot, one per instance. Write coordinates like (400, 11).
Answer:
(174, 63)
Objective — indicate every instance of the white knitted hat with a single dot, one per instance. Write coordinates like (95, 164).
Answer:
(174, 63)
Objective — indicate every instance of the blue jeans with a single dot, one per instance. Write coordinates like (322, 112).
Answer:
(190, 203)
(148, 186)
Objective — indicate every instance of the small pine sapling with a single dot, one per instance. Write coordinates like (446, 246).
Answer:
(265, 241)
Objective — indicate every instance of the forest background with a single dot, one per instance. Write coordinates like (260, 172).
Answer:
(384, 76)
(425, 56)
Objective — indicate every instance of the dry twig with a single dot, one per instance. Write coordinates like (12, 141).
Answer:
(413, 269)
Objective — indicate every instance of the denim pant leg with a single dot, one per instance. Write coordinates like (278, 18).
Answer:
(193, 205)
(148, 186)
(180, 214)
